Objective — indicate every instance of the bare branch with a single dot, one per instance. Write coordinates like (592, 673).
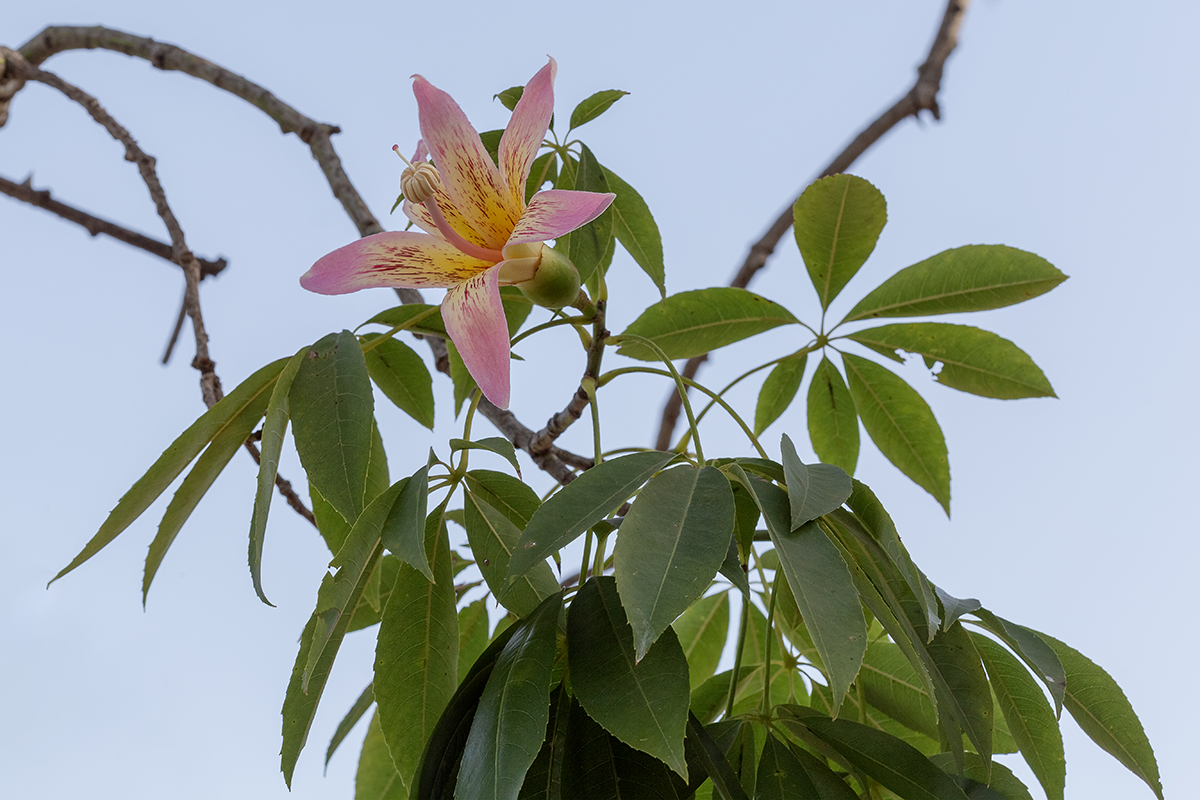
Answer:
(57, 39)
(921, 97)
(25, 192)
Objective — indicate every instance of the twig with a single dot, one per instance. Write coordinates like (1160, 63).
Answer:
(558, 424)
(921, 97)
(41, 198)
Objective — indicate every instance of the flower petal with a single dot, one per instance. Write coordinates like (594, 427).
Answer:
(421, 217)
(556, 212)
(475, 321)
(396, 258)
(472, 181)
(526, 130)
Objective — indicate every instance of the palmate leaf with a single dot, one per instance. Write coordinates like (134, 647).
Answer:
(510, 721)
(1028, 714)
(901, 424)
(778, 390)
(1105, 714)
(694, 323)
(838, 219)
(832, 418)
(636, 230)
(402, 376)
(581, 504)
(377, 778)
(972, 278)
(643, 703)
(332, 410)
(493, 538)
(672, 543)
(416, 655)
(702, 631)
(177, 456)
(973, 360)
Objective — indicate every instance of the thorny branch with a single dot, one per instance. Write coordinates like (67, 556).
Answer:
(921, 97)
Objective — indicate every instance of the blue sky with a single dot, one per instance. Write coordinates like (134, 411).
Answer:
(1067, 130)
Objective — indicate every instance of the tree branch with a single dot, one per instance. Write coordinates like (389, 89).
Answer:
(921, 97)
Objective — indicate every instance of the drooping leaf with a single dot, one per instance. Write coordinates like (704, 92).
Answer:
(895, 764)
(813, 489)
(377, 778)
(543, 780)
(403, 531)
(832, 418)
(356, 712)
(332, 412)
(594, 106)
(581, 504)
(510, 496)
(891, 684)
(191, 491)
(782, 776)
(416, 317)
(643, 703)
(472, 635)
(694, 323)
(1028, 714)
(493, 444)
(672, 543)
(510, 721)
(330, 524)
(402, 376)
(493, 538)
(176, 457)
(702, 631)
(778, 390)
(588, 246)
(954, 607)
(273, 430)
(712, 757)
(1003, 785)
(1034, 650)
(416, 655)
(973, 360)
(1105, 713)
(971, 278)
(901, 424)
(636, 230)
(822, 587)
(837, 221)
(969, 698)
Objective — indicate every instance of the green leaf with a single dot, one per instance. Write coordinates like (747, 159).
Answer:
(712, 756)
(644, 703)
(822, 587)
(416, 655)
(330, 524)
(1028, 714)
(782, 775)
(581, 504)
(299, 705)
(813, 489)
(472, 635)
(1034, 650)
(543, 781)
(969, 698)
(694, 323)
(895, 764)
(588, 246)
(193, 488)
(360, 707)
(510, 721)
(972, 278)
(891, 684)
(464, 384)
(902, 425)
(543, 169)
(402, 376)
(702, 631)
(332, 415)
(415, 317)
(778, 390)
(493, 538)
(1002, 784)
(491, 143)
(273, 430)
(837, 222)
(832, 418)
(510, 96)
(377, 778)
(973, 360)
(1105, 713)
(517, 308)
(671, 545)
(175, 458)
(403, 531)
(508, 495)
(493, 444)
(954, 607)
(636, 230)
(594, 106)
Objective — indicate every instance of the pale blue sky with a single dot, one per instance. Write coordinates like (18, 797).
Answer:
(1068, 130)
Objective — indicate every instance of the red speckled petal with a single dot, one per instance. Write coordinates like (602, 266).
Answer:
(526, 130)
(556, 212)
(401, 259)
(475, 321)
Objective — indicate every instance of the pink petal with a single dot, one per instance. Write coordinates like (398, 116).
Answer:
(475, 321)
(406, 259)
(556, 212)
(526, 130)
(472, 181)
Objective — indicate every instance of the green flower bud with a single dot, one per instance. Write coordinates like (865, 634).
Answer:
(555, 283)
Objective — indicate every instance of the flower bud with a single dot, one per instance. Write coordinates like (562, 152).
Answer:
(555, 283)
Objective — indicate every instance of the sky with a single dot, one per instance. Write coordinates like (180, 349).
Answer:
(1067, 130)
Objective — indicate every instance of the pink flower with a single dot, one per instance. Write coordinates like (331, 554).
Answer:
(479, 232)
